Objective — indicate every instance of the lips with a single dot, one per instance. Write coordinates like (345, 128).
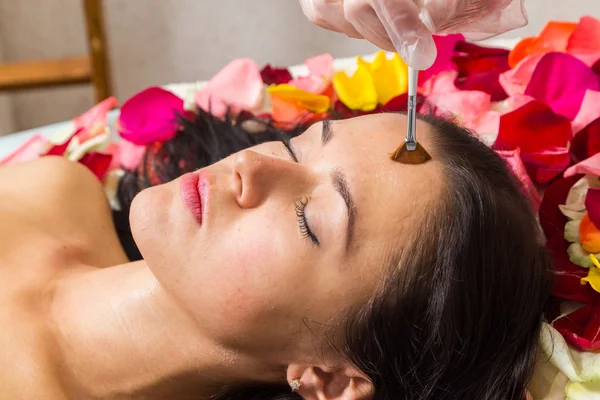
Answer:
(194, 192)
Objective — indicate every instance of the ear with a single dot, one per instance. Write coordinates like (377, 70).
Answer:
(320, 382)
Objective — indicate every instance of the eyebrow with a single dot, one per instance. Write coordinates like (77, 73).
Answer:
(341, 186)
(326, 131)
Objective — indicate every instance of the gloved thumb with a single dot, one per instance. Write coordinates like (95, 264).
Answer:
(409, 30)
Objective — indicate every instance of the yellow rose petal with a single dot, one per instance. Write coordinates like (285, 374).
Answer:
(358, 91)
(390, 77)
(309, 101)
(593, 277)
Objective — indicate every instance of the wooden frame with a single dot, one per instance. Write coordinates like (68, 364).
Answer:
(91, 68)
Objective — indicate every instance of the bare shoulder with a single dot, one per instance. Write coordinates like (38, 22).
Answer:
(56, 176)
(56, 197)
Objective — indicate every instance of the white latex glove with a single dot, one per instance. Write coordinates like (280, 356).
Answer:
(406, 26)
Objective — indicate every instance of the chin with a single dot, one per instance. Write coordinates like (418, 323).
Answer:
(149, 220)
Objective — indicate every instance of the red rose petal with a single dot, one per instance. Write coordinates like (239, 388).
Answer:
(542, 137)
(586, 143)
(592, 205)
(581, 328)
(59, 149)
(98, 163)
(479, 68)
(551, 218)
(275, 76)
(567, 282)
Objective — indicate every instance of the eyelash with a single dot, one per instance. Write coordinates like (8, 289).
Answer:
(288, 147)
(300, 205)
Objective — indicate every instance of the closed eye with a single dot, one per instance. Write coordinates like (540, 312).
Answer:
(288, 147)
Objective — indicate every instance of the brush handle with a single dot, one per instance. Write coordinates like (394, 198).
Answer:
(411, 136)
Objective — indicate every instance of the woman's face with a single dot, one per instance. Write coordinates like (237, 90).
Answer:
(284, 246)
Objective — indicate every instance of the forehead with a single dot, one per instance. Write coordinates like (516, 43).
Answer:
(390, 197)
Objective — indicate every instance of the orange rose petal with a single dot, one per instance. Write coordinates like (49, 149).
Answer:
(554, 37)
(589, 235)
(301, 98)
(520, 51)
(286, 113)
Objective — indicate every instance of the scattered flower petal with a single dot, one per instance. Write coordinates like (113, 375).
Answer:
(390, 76)
(238, 86)
(553, 37)
(479, 68)
(150, 116)
(98, 163)
(445, 45)
(584, 42)
(358, 91)
(542, 137)
(32, 149)
(275, 76)
(561, 81)
(301, 98)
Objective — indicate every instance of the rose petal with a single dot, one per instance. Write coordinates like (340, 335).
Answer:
(98, 163)
(584, 42)
(513, 159)
(301, 98)
(357, 92)
(479, 68)
(586, 143)
(60, 149)
(567, 281)
(581, 328)
(238, 86)
(275, 76)
(32, 149)
(93, 122)
(542, 137)
(588, 166)
(589, 111)
(445, 45)
(150, 116)
(321, 66)
(400, 103)
(553, 37)
(390, 76)
(125, 155)
(561, 81)
(515, 81)
(592, 205)
(552, 219)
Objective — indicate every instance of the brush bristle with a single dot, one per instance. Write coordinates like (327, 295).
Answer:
(405, 156)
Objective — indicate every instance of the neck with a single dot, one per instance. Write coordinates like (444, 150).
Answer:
(119, 334)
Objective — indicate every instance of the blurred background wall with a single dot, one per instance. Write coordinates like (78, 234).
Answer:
(154, 42)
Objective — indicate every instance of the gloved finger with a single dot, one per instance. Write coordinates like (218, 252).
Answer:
(329, 14)
(406, 27)
(366, 22)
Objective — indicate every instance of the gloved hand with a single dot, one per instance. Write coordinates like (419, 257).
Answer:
(406, 26)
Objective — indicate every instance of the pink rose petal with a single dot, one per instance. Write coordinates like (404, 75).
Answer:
(125, 155)
(33, 148)
(561, 81)
(584, 42)
(589, 111)
(515, 81)
(150, 116)
(238, 86)
(513, 159)
(320, 66)
(589, 166)
(445, 45)
(93, 121)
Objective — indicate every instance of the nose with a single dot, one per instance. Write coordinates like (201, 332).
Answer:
(257, 176)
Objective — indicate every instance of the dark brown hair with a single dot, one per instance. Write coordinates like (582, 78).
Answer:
(459, 312)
